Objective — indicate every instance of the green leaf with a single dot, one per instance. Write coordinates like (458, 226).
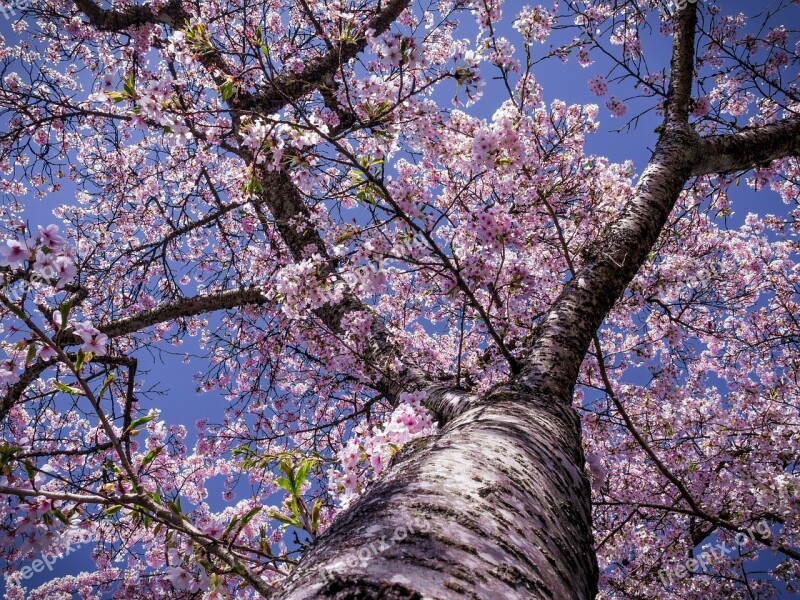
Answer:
(227, 90)
(112, 510)
(175, 506)
(60, 515)
(284, 519)
(315, 515)
(206, 565)
(110, 466)
(150, 456)
(295, 508)
(253, 186)
(31, 354)
(230, 527)
(103, 389)
(243, 449)
(285, 484)
(129, 86)
(141, 421)
(302, 473)
(117, 96)
(64, 310)
(80, 360)
(250, 514)
(7, 452)
(287, 468)
(67, 389)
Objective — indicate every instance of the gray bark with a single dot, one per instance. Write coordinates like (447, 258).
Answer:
(492, 507)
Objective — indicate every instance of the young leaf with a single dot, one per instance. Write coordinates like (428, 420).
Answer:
(31, 354)
(302, 473)
(285, 484)
(250, 514)
(141, 421)
(67, 389)
(106, 383)
(150, 456)
(315, 515)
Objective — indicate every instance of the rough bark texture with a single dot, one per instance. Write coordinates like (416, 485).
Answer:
(492, 507)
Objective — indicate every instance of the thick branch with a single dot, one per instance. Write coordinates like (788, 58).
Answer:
(136, 15)
(293, 221)
(292, 87)
(681, 67)
(749, 148)
(612, 261)
(185, 307)
(610, 264)
(281, 90)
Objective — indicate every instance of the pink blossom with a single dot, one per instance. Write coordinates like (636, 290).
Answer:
(534, 23)
(598, 85)
(616, 106)
(376, 461)
(350, 481)
(13, 253)
(66, 270)
(46, 353)
(48, 236)
(179, 578)
(7, 372)
(45, 264)
(701, 107)
(93, 341)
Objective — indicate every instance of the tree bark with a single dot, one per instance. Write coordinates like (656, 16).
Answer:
(493, 506)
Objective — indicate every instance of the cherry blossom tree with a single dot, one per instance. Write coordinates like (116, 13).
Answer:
(457, 356)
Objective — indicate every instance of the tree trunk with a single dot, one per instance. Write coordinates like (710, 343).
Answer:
(494, 506)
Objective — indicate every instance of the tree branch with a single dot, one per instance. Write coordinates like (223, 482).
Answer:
(749, 148)
(185, 307)
(102, 19)
(681, 78)
(610, 263)
(289, 88)
(281, 90)
(293, 222)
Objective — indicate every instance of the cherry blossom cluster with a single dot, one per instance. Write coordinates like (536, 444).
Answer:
(534, 23)
(367, 454)
(47, 256)
(598, 85)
